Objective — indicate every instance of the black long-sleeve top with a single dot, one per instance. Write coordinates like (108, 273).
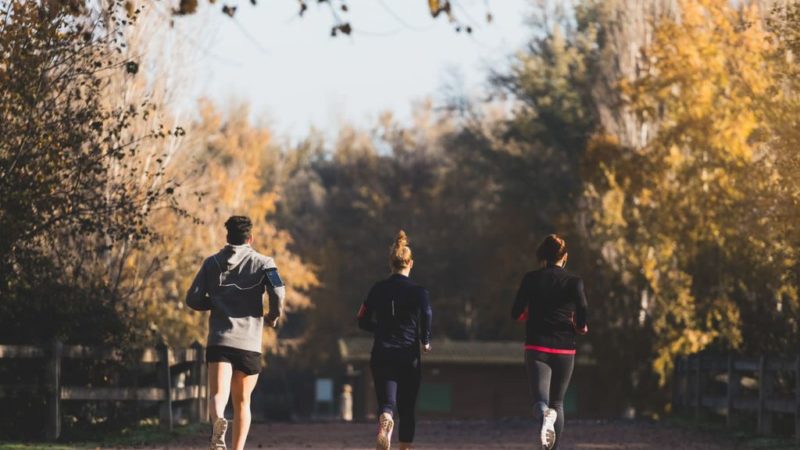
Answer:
(402, 315)
(553, 304)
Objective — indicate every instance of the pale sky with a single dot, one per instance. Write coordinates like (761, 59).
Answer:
(294, 73)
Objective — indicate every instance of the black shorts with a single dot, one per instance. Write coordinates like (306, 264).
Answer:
(241, 360)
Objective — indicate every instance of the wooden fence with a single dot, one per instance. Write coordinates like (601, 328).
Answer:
(170, 364)
(733, 385)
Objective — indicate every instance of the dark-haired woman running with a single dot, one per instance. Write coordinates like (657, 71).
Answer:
(552, 303)
(401, 325)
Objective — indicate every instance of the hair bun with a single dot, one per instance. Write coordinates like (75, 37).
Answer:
(400, 253)
(552, 249)
(401, 240)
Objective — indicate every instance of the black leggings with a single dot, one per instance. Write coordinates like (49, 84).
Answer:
(549, 376)
(397, 385)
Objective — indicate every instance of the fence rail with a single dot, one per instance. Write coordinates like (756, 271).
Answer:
(732, 385)
(170, 364)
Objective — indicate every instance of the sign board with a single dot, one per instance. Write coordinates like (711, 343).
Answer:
(324, 390)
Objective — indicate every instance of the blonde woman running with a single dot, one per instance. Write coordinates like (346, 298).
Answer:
(398, 312)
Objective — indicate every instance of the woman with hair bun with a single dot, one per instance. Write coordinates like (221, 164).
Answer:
(552, 303)
(398, 312)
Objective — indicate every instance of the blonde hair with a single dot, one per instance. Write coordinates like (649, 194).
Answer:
(400, 253)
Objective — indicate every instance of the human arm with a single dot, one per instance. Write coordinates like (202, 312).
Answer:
(426, 318)
(276, 293)
(366, 312)
(580, 320)
(197, 296)
(519, 310)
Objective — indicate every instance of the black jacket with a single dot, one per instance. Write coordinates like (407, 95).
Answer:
(553, 303)
(402, 311)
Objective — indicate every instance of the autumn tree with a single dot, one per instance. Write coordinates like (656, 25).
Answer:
(73, 194)
(65, 167)
(338, 9)
(224, 162)
(689, 218)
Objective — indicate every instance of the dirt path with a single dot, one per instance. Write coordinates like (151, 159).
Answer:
(583, 435)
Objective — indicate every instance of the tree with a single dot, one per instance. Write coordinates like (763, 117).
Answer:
(74, 198)
(224, 163)
(66, 166)
(688, 219)
(338, 9)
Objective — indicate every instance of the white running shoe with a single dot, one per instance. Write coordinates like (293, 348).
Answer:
(548, 432)
(218, 434)
(385, 427)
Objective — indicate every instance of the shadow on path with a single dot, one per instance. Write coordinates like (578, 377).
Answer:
(452, 435)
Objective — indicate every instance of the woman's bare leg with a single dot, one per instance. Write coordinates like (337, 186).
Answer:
(242, 386)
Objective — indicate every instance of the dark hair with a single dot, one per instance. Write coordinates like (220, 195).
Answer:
(552, 249)
(239, 228)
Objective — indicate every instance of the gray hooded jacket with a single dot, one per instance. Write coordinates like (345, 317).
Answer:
(231, 285)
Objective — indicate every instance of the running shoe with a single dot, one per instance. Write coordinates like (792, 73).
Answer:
(385, 427)
(218, 434)
(548, 432)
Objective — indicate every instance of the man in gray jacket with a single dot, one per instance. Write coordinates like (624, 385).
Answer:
(231, 284)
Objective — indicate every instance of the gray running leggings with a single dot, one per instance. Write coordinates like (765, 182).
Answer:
(549, 376)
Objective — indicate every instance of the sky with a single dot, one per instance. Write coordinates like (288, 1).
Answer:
(294, 74)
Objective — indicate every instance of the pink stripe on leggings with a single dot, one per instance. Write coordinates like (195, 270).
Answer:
(556, 351)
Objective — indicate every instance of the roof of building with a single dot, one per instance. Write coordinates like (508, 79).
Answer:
(357, 349)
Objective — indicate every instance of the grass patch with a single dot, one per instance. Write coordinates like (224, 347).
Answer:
(146, 434)
(35, 446)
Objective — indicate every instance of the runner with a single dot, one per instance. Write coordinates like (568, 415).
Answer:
(231, 285)
(402, 324)
(552, 303)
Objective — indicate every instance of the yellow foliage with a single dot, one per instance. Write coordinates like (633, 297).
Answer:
(685, 215)
(227, 161)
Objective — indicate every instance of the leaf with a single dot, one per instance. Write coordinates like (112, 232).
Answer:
(186, 7)
(132, 67)
(437, 7)
(130, 10)
(230, 11)
(433, 5)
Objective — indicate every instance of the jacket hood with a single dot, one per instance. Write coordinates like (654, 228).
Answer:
(231, 255)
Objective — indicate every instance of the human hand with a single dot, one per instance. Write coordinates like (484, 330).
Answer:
(426, 348)
(271, 320)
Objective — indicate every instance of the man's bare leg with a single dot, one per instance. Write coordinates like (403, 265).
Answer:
(219, 387)
(242, 386)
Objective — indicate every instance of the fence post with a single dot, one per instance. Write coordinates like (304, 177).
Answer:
(797, 400)
(685, 366)
(52, 423)
(165, 383)
(698, 391)
(733, 391)
(676, 381)
(199, 406)
(764, 390)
